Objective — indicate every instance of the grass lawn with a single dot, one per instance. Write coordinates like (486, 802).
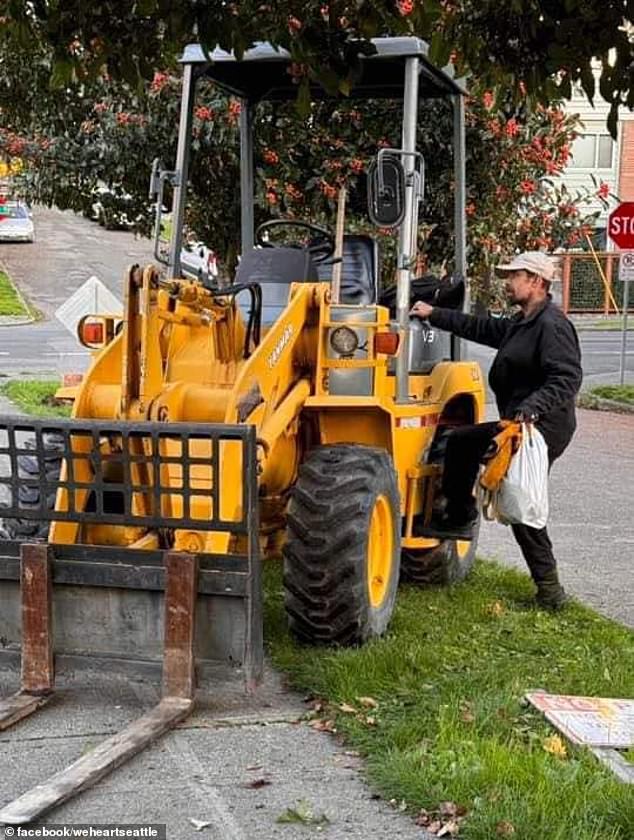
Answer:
(10, 303)
(621, 393)
(436, 707)
(449, 723)
(35, 397)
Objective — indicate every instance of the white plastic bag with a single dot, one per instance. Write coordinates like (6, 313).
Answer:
(522, 498)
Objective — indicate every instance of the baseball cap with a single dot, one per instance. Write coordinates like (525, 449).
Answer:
(534, 261)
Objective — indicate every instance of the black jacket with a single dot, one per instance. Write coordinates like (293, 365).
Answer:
(537, 369)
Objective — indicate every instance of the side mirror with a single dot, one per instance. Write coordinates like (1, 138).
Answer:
(386, 191)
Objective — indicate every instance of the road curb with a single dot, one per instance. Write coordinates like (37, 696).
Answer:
(16, 320)
(592, 402)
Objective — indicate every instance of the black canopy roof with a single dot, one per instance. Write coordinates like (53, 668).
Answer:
(262, 73)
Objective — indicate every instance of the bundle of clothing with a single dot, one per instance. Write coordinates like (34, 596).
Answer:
(448, 292)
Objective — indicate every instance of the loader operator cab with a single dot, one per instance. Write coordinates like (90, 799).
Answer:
(400, 70)
(274, 265)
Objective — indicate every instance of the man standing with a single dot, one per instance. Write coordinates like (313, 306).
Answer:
(535, 377)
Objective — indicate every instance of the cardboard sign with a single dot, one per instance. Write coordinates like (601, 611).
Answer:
(591, 721)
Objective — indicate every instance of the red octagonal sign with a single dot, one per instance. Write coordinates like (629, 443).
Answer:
(621, 225)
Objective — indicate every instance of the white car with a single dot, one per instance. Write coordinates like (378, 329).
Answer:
(197, 260)
(16, 224)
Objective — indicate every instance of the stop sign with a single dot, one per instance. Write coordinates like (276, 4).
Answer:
(621, 225)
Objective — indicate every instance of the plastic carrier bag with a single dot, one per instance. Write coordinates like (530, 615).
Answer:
(522, 496)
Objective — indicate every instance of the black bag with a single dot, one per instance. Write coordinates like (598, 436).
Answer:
(447, 292)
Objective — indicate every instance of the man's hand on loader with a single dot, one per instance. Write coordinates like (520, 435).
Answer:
(421, 310)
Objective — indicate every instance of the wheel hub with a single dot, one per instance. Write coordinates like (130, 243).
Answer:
(380, 551)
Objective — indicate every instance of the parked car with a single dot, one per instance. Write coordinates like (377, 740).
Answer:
(197, 260)
(16, 223)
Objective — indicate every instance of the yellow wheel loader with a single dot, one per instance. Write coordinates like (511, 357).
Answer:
(296, 403)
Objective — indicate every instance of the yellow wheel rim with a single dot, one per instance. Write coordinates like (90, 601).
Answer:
(462, 548)
(380, 551)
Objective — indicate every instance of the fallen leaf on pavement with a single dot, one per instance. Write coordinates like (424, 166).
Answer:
(302, 813)
(323, 725)
(555, 746)
(255, 767)
(423, 818)
(199, 824)
(450, 828)
(505, 829)
(257, 783)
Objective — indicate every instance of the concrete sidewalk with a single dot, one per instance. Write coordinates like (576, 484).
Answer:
(236, 765)
(591, 493)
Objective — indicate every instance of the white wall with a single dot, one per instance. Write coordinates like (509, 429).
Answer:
(594, 121)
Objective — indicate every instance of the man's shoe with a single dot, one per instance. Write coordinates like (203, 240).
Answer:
(445, 528)
(551, 597)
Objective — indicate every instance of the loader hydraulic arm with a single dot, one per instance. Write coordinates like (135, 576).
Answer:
(275, 382)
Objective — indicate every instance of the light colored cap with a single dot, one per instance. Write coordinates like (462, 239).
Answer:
(534, 261)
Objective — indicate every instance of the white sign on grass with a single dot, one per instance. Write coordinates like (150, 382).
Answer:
(92, 298)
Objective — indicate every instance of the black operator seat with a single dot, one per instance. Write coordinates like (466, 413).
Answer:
(275, 269)
(359, 272)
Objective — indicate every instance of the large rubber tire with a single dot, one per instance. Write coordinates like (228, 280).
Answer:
(342, 552)
(22, 530)
(448, 563)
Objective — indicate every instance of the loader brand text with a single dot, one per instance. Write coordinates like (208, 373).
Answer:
(154, 831)
(279, 347)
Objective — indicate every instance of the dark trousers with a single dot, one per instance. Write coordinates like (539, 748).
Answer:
(466, 447)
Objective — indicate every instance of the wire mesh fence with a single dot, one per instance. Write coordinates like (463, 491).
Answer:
(591, 284)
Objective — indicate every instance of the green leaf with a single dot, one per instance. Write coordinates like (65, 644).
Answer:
(303, 813)
(439, 49)
(303, 98)
(146, 8)
(62, 73)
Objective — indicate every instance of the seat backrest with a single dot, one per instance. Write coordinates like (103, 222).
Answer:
(360, 270)
(274, 269)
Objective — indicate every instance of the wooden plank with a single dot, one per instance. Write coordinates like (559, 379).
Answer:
(92, 767)
(18, 706)
(181, 584)
(37, 619)
(613, 759)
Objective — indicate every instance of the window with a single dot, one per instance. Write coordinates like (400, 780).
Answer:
(592, 151)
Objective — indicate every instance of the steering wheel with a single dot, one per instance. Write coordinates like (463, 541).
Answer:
(319, 251)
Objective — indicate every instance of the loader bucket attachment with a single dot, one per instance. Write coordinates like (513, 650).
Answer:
(67, 603)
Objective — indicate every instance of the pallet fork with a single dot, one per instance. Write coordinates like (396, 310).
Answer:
(45, 570)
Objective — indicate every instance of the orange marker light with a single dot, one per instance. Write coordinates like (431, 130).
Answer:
(92, 333)
(386, 342)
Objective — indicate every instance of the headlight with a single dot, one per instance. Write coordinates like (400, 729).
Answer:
(344, 341)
